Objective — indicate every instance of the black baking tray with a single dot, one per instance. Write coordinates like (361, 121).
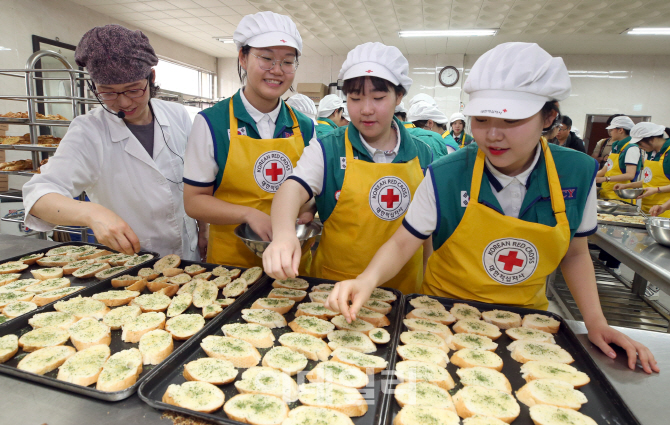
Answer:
(20, 326)
(618, 223)
(604, 406)
(74, 281)
(171, 372)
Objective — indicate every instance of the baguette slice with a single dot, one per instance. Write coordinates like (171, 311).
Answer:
(383, 295)
(120, 371)
(118, 317)
(83, 307)
(109, 259)
(338, 373)
(541, 322)
(84, 367)
(180, 279)
(313, 348)
(155, 346)
(7, 298)
(333, 396)
(222, 281)
(318, 297)
(502, 319)
(195, 395)
(173, 271)
(112, 271)
(88, 332)
(268, 318)
(256, 409)
(188, 288)
(284, 359)
(367, 363)
(212, 310)
(205, 293)
(207, 369)
(472, 358)
(12, 267)
(240, 353)
(31, 258)
(52, 318)
(379, 336)
(268, 381)
(136, 261)
(76, 265)
(221, 271)
(122, 259)
(18, 308)
(422, 353)
(9, 278)
(324, 287)
(203, 276)
(223, 302)
(9, 346)
(543, 414)
(530, 335)
(56, 261)
(160, 283)
(93, 253)
(378, 306)
(311, 326)
(252, 275)
(411, 415)
(477, 327)
(48, 285)
(309, 415)
(90, 270)
(235, 288)
(427, 302)
(373, 317)
(179, 304)
(423, 325)
(438, 315)
(356, 325)
(473, 341)
(168, 291)
(484, 377)
(424, 338)
(351, 339)
(43, 337)
(45, 360)
(470, 401)
(280, 305)
(525, 351)
(51, 296)
(291, 283)
(148, 273)
(464, 311)
(194, 269)
(50, 273)
(291, 294)
(168, 261)
(257, 335)
(550, 370)
(152, 302)
(116, 298)
(184, 326)
(135, 328)
(552, 392)
(17, 284)
(315, 310)
(64, 249)
(482, 420)
(423, 394)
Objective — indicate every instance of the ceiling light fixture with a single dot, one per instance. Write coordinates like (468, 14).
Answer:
(224, 40)
(649, 31)
(449, 33)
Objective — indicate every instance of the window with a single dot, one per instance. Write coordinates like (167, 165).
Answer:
(185, 79)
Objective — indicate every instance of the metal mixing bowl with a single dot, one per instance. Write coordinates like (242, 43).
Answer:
(629, 193)
(254, 242)
(659, 229)
(605, 207)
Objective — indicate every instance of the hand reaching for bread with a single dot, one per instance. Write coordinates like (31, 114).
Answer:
(112, 231)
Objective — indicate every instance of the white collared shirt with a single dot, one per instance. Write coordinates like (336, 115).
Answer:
(265, 123)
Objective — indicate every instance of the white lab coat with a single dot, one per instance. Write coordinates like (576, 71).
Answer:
(101, 156)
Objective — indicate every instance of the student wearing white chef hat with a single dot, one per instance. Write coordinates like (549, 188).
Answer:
(422, 97)
(506, 211)
(457, 134)
(362, 177)
(302, 103)
(243, 148)
(400, 112)
(329, 117)
(624, 162)
(426, 123)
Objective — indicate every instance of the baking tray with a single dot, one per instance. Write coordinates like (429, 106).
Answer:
(4, 120)
(20, 326)
(605, 405)
(170, 372)
(618, 223)
(74, 281)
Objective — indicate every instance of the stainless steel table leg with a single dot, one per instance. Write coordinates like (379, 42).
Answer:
(639, 285)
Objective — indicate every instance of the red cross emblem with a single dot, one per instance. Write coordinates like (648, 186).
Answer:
(504, 110)
(274, 171)
(368, 71)
(390, 198)
(646, 174)
(510, 261)
(283, 41)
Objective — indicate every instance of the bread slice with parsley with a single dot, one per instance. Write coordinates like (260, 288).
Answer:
(268, 381)
(379, 336)
(136, 261)
(285, 359)
(373, 317)
(463, 311)
(184, 326)
(415, 371)
(240, 353)
(52, 318)
(222, 271)
(17, 284)
(155, 346)
(257, 335)
(7, 298)
(338, 373)
(120, 371)
(541, 322)
(484, 377)
(90, 270)
(291, 294)
(76, 265)
(313, 348)
(310, 415)
(280, 305)
(502, 319)
(169, 261)
(31, 258)
(426, 302)
(152, 302)
(119, 316)
(378, 306)
(51, 296)
(264, 317)
(252, 275)
(9, 346)
(188, 288)
(256, 409)
(423, 394)
(365, 362)
(179, 304)
(85, 366)
(88, 332)
(525, 351)
(112, 271)
(315, 310)
(542, 414)
(180, 279)
(211, 310)
(82, 307)
(423, 325)
(477, 327)
(195, 395)
(94, 253)
(43, 337)
(351, 339)
(473, 400)
(424, 338)
(18, 308)
(125, 280)
(48, 285)
(56, 261)
(194, 269)
(161, 283)
(438, 315)
(423, 353)
(359, 325)
(135, 328)
(412, 415)
(552, 392)
(46, 359)
(319, 297)
(472, 358)
(311, 326)
(291, 283)
(384, 295)
(551, 370)
(49, 273)
(147, 273)
(333, 396)
(205, 293)
(203, 276)
(482, 420)
(116, 298)
(530, 335)
(473, 341)
(12, 267)
(207, 369)
(6, 279)
(138, 285)
(235, 288)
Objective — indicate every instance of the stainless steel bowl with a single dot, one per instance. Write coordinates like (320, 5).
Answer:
(254, 242)
(659, 229)
(605, 207)
(629, 193)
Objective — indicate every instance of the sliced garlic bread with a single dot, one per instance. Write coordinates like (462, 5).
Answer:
(464, 311)
(541, 322)
(48, 285)
(136, 261)
(90, 270)
(530, 335)
(7, 298)
(72, 267)
(252, 275)
(375, 318)
(184, 326)
(351, 339)
(311, 326)
(553, 392)
(85, 366)
(240, 353)
(502, 319)
(31, 258)
(378, 306)
(147, 273)
(155, 346)
(195, 395)
(543, 414)
(525, 351)
(413, 371)
(484, 377)
(268, 381)
(112, 271)
(426, 302)
(211, 310)
(470, 401)
(119, 316)
(423, 394)
(291, 294)
(188, 288)
(319, 297)
(13, 267)
(473, 341)
(315, 310)
(9, 346)
(152, 302)
(291, 283)
(423, 353)
(477, 327)
(52, 318)
(81, 307)
(264, 317)
(120, 371)
(46, 359)
(180, 279)
(18, 308)
(379, 294)
(17, 284)
(179, 304)
(135, 328)
(235, 288)
(309, 415)
(88, 332)
(423, 325)
(207, 369)
(438, 315)
(552, 370)
(56, 261)
(359, 325)
(323, 287)
(280, 305)
(205, 293)
(313, 348)
(333, 396)
(168, 261)
(367, 363)
(49, 273)
(379, 336)
(424, 338)
(471, 358)
(256, 409)
(43, 337)
(51, 296)
(285, 359)
(411, 415)
(257, 335)
(116, 298)
(194, 269)
(338, 373)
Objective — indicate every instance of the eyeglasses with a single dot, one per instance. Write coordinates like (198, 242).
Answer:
(562, 128)
(131, 94)
(268, 64)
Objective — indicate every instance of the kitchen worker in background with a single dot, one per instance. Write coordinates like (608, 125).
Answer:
(302, 103)
(127, 156)
(624, 162)
(401, 114)
(604, 146)
(567, 138)
(329, 116)
(345, 115)
(244, 147)
(421, 117)
(498, 212)
(422, 97)
(457, 134)
(362, 176)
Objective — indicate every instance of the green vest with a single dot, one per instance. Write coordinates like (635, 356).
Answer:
(452, 177)
(323, 129)
(432, 139)
(666, 161)
(333, 146)
(218, 119)
(451, 141)
(617, 148)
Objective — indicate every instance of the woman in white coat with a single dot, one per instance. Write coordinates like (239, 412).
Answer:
(127, 156)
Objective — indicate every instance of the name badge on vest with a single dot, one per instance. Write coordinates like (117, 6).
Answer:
(241, 131)
(343, 163)
(465, 198)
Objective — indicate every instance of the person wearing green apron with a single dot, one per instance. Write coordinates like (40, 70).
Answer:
(505, 212)
(426, 119)
(624, 162)
(330, 115)
(457, 134)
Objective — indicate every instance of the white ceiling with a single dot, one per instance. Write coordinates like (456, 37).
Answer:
(333, 27)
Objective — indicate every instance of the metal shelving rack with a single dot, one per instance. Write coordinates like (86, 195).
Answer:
(77, 79)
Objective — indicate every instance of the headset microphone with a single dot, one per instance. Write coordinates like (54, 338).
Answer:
(119, 114)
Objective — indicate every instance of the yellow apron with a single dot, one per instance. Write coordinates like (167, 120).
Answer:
(409, 125)
(372, 204)
(499, 259)
(654, 176)
(323, 122)
(254, 171)
(445, 134)
(613, 169)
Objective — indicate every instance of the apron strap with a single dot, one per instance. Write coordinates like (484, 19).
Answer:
(348, 147)
(233, 120)
(321, 122)
(296, 126)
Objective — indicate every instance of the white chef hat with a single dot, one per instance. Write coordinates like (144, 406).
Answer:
(621, 122)
(345, 113)
(377, 60)
(302, 103)
(329, 104)
(400, 109)
(514, 81)
(267, 29)
(642, 130)
(422, 97)
(425, 111)
(456, 116)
